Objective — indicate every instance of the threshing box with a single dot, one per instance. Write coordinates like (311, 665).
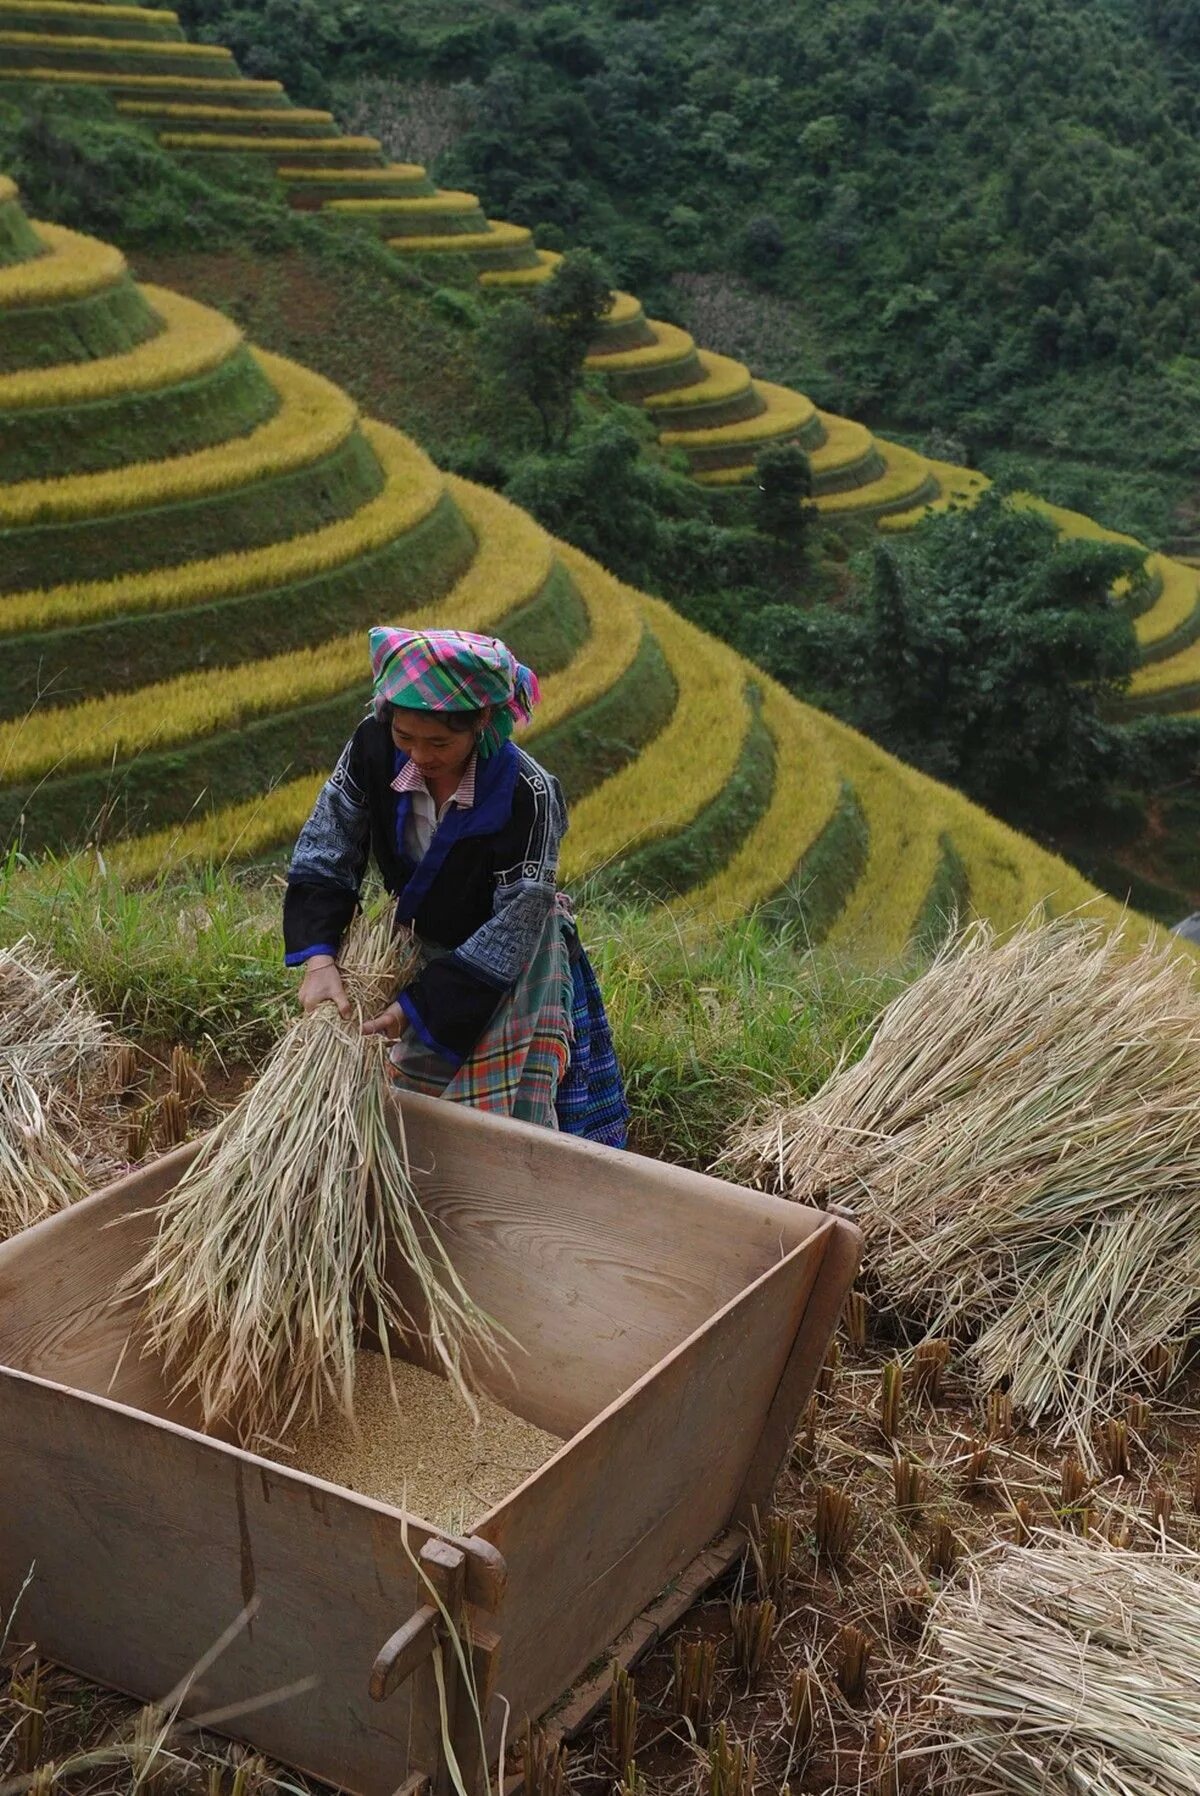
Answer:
(671, 1327)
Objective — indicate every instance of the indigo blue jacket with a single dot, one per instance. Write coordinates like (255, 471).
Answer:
(483, 889)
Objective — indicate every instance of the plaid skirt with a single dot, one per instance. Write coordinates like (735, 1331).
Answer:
(547, 1055)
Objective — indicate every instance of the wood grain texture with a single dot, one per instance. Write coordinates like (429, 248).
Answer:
(148, 1541)
(641, 1490)
(842, 1255)
(599, 1262)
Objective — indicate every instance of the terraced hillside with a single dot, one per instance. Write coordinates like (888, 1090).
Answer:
(1168, 627)
(194, 536)
(195, 99)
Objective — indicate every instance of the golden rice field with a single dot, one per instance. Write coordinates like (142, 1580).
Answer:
(184, 640)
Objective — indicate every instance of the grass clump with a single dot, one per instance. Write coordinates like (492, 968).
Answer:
(707, 1024)
(1020, 1143)
(1066, 1665)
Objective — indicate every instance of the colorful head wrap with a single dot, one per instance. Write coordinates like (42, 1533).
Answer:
(453, 670)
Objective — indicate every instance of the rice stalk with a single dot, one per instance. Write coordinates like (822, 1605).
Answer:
(51, 1044)
(692, 1681)
(1063, 1666)
(270, 1258)
(1021, 1143)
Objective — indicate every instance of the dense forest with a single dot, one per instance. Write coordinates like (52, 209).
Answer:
(905, 209)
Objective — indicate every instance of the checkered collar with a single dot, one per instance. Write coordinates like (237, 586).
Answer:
(410, 780)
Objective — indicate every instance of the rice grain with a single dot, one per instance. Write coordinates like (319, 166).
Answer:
(421, 1451)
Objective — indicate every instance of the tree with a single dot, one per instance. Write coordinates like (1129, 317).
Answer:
(537, 350)
(987, 652)
(783, 484)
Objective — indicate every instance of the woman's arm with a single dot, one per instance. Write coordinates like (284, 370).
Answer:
(324, 878)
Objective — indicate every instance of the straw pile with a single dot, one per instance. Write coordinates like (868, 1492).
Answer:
(270, 1257)
(51, 1044)
(1065, 1668)
(1021, 1142)
(416, 1446)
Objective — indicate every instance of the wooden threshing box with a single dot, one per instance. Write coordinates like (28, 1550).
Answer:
(672, 1327)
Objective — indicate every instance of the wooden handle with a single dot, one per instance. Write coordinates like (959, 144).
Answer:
(408, 1647)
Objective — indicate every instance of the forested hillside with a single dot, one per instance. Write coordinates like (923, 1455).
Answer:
(905, 210)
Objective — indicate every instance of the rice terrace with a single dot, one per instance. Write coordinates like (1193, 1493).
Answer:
(599, 788)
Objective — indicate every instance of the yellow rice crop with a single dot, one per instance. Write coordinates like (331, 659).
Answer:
(8, 190)
(238, 832)
(547, 262)
(1072, 523)
(1182, 669)
(74, 268)
(186, 113)
(314, 418)
(444, 200)
(395, 171)
(956, 486)
(118, 725)
(624, 309)
(688, 763)
(114, 46)
(139, 83)
(62, 9)
(196, 340)
(724, 476)
(785, 413)
(614, 639)
(806, 791)
(723, 379)
(1177, 599)
(903, 849)
(670, 345)
(282, 145)
(512, 563)
(412, 488)
(905, 472)
(497, 236)
(846, 442)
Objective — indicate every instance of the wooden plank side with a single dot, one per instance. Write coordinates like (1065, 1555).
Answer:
(57, 1316)
(148, 1542)
(842, 1255)
(632, 1500)
(599, 1262)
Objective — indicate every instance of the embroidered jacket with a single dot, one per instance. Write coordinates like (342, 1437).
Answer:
(483, 888)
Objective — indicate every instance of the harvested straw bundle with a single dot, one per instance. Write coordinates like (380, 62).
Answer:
(51, 1043)
(270, 1256)
(1064, 1667)
(1021, 1142)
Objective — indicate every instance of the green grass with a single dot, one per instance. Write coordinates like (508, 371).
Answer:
(946, 901)
(677, 864)
(106, 323)
(591, 745)
(18, 240)
(548, 632)
(138, 650)
(705, 1025)
(246, 518)
(817, 892)
(173, 420)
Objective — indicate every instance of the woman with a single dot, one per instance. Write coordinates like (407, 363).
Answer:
(465, 827)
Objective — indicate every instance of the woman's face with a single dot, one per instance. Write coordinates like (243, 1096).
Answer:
(435, 749)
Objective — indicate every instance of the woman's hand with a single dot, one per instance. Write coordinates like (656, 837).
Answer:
(389, 1022)
(322, 984)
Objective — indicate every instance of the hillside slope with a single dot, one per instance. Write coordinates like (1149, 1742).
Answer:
(194, 536)
(196, 101)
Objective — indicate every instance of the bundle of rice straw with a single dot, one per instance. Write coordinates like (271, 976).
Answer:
(1063, 1667)
(51, 1043)
(270, 1257)
(1021, 1142)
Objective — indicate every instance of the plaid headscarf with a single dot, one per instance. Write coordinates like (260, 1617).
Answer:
(453, 670)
